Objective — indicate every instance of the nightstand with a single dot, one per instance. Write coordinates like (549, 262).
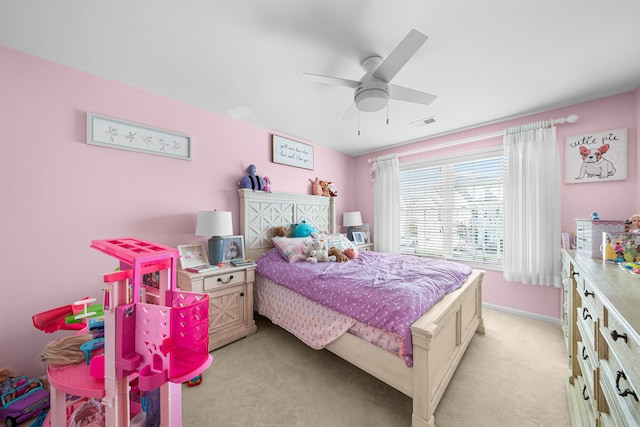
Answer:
(365, 247)
(230, 292)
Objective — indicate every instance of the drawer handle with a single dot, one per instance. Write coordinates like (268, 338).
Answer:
(615, 335)
(585, 313)
(225, 281)
(587, 293)
(584, 355)
(584, 390)
(626, 391)
(241, 294)
(576, 273)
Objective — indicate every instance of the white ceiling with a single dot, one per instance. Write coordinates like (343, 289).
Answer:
(486, 60)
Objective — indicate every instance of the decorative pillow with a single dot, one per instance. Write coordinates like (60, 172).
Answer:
(292, 248)
(337, 240)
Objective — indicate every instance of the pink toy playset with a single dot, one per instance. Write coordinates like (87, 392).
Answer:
(155, 338)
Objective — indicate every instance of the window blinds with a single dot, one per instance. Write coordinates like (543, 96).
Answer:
(453, 208)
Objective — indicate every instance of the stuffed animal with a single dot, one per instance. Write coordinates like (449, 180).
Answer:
(328, 189)
(303, 230)
(351, 253)
(267, 184)
(340, 257)
(252, 180)
(319, 252)
(316, 189)
(280, 231)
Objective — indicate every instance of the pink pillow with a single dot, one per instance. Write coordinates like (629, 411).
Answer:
(292, 248)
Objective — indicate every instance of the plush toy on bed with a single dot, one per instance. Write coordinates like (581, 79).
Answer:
(319, 252)
(280, 231)
(340, 257)
(304, 230)
(351, 253)
(252, 180)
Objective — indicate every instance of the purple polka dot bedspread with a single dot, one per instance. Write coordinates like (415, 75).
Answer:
(386, 291)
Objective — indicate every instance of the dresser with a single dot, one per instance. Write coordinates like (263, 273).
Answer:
(230, 292)
(601, 321)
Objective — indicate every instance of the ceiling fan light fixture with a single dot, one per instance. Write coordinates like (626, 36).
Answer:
(370, 100)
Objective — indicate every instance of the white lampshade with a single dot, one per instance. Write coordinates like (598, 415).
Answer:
(351, 219)
(214, 223)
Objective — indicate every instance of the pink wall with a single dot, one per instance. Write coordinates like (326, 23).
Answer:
(612, 200)
(58, 193)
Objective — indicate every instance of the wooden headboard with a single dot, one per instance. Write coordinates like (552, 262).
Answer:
(261, 212)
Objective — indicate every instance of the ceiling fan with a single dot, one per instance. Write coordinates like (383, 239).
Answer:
(373, 90)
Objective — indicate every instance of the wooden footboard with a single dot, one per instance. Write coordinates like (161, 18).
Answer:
(440, 338)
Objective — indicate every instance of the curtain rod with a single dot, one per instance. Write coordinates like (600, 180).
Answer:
(546, 123)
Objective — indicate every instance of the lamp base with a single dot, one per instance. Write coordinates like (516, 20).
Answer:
(216, 251)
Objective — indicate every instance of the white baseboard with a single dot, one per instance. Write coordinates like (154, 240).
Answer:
(521, 313)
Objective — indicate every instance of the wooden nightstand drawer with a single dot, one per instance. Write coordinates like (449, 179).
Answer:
(221, 280)
(230, 292)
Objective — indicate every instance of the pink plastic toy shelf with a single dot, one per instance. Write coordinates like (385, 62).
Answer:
(160, 342)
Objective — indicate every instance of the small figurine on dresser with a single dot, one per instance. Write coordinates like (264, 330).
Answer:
(634, 223)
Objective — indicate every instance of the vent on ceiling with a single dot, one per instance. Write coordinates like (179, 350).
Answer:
(423, 122)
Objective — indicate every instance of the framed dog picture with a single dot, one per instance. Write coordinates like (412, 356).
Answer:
(596, 157)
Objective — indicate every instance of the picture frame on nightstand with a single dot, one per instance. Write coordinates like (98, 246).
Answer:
(232, 248)
(358, 238)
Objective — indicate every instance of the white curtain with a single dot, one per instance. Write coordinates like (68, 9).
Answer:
(532, 206)
(385, 175)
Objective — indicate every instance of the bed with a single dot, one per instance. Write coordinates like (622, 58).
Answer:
(439, 338)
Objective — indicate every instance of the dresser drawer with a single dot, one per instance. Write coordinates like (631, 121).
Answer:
(221, 280)
(588, 362)
(619, 392)
(586, 321)
(624, 344)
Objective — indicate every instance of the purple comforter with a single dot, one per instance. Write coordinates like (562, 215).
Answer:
(387, 291)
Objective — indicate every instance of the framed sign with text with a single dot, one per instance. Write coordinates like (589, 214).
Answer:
(292, 153)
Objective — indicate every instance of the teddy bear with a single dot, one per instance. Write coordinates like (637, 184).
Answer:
(280, 231)
(328, 189)
(318, 252)
(351, 253)
(340, 257)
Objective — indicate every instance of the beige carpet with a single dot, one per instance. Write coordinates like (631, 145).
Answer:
(511, 376)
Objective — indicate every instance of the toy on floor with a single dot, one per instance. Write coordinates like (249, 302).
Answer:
(197, 380)
(22, 399)
(154, 340)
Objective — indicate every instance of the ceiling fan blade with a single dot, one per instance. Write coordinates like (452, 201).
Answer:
(334, 81)
(400, 56)
(402, 93)
(350, 112)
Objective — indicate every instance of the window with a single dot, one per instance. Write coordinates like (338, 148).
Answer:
(452, 207)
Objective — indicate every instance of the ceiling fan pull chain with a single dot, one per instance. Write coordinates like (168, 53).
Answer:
(387, 112)
(358, 122)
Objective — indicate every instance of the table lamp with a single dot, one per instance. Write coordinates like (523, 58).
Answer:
(215, 224)
(350, 220)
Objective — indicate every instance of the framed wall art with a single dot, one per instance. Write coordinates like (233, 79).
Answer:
(291, 153)
(114, 133)
(596, 157)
